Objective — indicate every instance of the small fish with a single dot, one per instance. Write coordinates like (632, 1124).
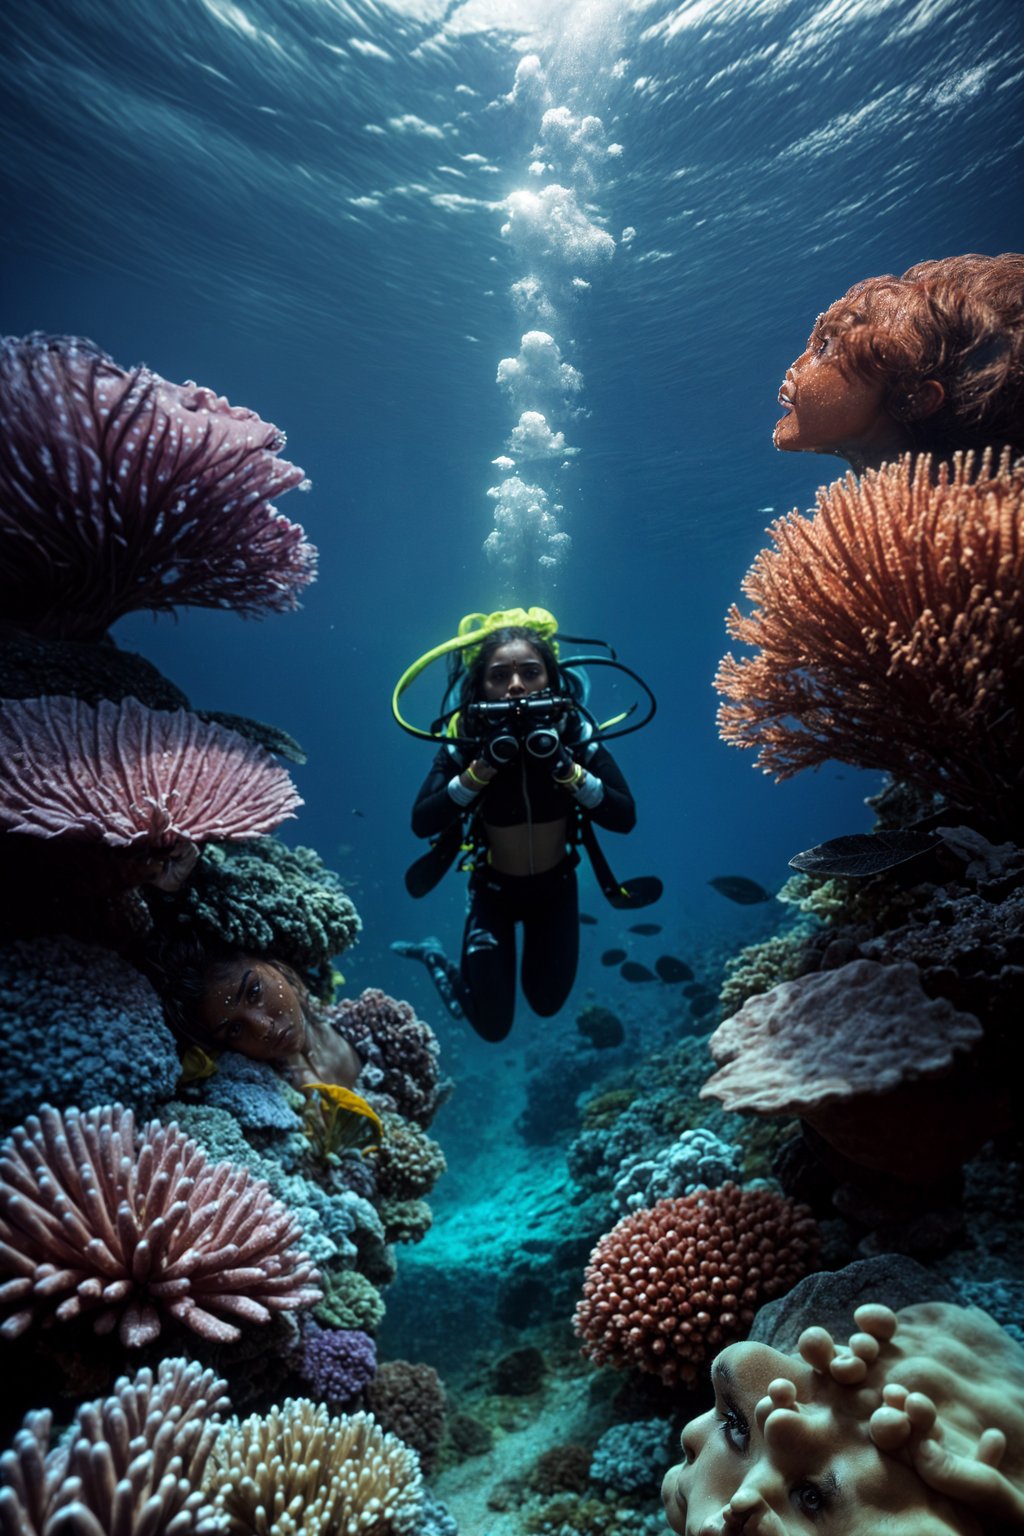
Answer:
(634, 971)
(700, 1007)
(613, 956)
(645, 928)
(671, 969)
(739, 888)
(585, 917)
(358, 813)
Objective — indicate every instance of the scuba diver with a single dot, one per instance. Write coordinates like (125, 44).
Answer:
(523, 774)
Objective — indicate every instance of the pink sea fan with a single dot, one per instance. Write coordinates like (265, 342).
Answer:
(134, 777)
(121, 491)
(96, 1218)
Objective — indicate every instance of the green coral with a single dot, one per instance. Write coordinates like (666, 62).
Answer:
(760, 967)
(405, 1221)
(878, 901)
(273, 900)
(350, 1301)
(605, 1108)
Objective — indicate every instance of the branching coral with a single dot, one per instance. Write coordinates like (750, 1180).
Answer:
(890, 632)
(299, 1472)
(95, 1219)
(120, 491)
(668, 1286)
(399, 1052)
(272, 900)
(152, 782)
(131, 1463)
(79, 1025)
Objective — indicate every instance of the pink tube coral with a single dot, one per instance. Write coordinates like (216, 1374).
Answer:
(150, 781)
(121, 491)
(98, 1219)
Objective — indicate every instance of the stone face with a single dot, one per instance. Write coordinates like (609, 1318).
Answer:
(863, 1029)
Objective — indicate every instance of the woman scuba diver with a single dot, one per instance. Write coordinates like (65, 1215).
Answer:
(528, 772)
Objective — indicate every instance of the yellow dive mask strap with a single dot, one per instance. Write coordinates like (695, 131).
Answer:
(473, 630)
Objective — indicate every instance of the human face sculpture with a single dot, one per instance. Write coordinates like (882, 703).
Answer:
(515, 670)
(251, 1007)
(788, 1451)
(827, 409)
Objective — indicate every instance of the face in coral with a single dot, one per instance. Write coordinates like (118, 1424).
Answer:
(784, 1454)
(250, 1006)
(827, 410)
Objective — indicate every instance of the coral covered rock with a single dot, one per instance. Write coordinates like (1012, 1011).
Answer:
(78, 1025)
(890, 634)
(399, 1052)
(152, 782)
(269, 899)
(317, 1473)
(668, 1286)
(98, 1220)
(836, 1047)
(132, 1463)
(120, 491)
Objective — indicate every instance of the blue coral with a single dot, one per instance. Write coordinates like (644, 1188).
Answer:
(698, 1158)
(251, 1091)
(633, 1458)
(79, 1026)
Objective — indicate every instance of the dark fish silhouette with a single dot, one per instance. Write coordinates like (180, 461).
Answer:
(864, 853)
(671, 969)
(739, 888)
(613, 956)
(645, 928)
(700, 1007)
(634, 971)
(585, 917)
(697, 989)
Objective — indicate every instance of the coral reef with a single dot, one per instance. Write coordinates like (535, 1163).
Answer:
(890, 634)
(98, 1221)
(408, 1162)
(315, 1473)
(132, 1463)
(399, 1053)
(561, 1469)
(251, 1091)
(697, 1158)
(601, 1027)
(152, 782)
(409, 1400)
(350, 1301)
(337, 1363)
(121, 491)
(31, 668)
(837, 1047)
(78, 1025)
(269, 899)
(666, 1286)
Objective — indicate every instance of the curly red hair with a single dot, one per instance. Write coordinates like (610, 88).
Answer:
(959, 321)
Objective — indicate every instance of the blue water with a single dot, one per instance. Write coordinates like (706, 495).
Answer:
(302, 206)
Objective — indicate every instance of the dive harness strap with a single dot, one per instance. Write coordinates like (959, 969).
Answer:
(428, 870)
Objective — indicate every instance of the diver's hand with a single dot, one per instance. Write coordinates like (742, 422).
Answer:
(563, 768)
(477, 773)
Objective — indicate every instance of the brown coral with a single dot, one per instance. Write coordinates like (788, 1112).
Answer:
(298, 1472)
(95, 1219)
(132, 1463)
(408, 1162)
(121, 491)
(890, 633)
(409, 1400)
(667, 1287)
(153, 782)
(865, 1057)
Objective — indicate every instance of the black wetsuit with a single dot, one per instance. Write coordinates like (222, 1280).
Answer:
(523, 791)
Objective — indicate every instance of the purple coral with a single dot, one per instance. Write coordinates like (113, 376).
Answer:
(121, 491)
(399, 1052)
(337, 1363)
(97, 1219)
(133, 777)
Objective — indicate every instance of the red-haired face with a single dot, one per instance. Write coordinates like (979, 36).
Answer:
(831, 410)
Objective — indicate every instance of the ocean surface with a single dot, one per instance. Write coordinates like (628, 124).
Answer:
(347, 216)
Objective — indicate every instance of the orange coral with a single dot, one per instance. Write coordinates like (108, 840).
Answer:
(890, 632)
(667, 1287)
